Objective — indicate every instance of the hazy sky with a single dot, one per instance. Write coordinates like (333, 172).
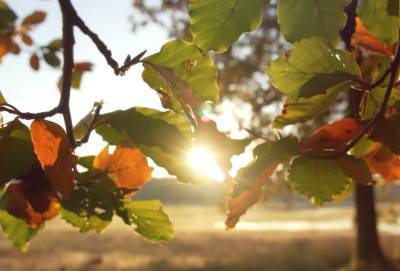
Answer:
(37, 91)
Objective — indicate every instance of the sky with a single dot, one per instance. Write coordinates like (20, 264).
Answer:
(37, 91)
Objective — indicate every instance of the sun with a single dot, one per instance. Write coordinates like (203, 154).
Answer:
(202, 160)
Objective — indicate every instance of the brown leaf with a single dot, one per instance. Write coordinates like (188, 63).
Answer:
(34, 62)
(381, 160)
(237, 206)
(26, 39)
(364, 40)
(127, 164)
(36, 17)
(334, 136)
(33, 199)
(355, 168)
(55, 155)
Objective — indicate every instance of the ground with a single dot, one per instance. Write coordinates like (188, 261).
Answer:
(199, 244)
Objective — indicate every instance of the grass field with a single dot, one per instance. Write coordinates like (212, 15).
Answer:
(198, 245)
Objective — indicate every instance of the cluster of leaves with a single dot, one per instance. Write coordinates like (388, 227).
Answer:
(312, 75)
(39, 174)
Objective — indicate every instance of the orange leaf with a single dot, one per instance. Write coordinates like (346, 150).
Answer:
(5, 44)
(33, 199)
(334, 136)
(55, 155)
(237, 206)
(364, 40)
(381, 160)
(127, 164)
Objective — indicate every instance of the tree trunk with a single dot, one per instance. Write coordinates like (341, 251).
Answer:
(369, 255)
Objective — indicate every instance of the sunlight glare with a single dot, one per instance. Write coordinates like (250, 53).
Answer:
(203, 161)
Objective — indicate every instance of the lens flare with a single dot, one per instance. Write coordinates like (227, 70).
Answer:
(203, 161)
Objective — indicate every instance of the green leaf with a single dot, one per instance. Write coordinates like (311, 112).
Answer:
(91, 206)
(319, 180)
(143, 126)
(355, 168)
(55, 45)
(86, 161)
(362, 148)
(311, 68)
(149, 218)
(216, 24)
(52, 59)
(308, 18)
(16, 230)
(381, 18)
(16, 151)
(181, 72)
(7, 17)
(375, 99)
(304, 109)
(264, 154)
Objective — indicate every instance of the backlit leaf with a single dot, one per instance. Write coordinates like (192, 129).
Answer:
(311, 68)
(91, 207)
(181, 72)
(55, 155)
(304, 109)
(381, 18)
(215, 24)
(308, 18)
(127, 165)
(318, 180)
(149, 218)
(250, 180)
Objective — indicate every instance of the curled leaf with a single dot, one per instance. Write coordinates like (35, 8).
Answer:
(238, 206)
(33, 199)
(55, 155)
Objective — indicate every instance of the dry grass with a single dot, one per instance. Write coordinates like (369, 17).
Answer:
(194, 248)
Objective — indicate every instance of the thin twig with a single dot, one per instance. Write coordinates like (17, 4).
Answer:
(96, 113)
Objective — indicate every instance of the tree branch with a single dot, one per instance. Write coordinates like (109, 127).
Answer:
(68, 54)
